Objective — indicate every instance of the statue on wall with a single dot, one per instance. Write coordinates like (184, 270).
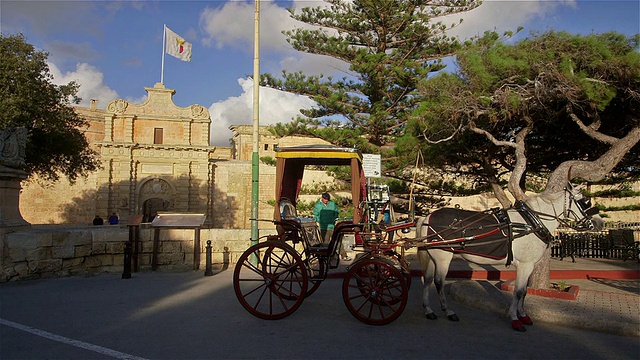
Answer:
(13, 142)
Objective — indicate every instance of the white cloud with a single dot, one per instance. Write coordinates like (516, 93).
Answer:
(275, 106)
(226, 26)
(91, 83)
(502, 16)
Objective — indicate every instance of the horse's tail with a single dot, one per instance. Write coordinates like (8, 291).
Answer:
(423, 256)
(419, 224)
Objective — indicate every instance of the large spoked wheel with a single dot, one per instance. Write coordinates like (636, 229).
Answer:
(375, 291)
(270, 280)
(315, 266)
(405, 270)
(316, 273)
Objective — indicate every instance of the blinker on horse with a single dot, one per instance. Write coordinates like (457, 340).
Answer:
(518, 235)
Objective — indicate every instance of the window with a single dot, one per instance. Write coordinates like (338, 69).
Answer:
(266, 146)
(157, 135)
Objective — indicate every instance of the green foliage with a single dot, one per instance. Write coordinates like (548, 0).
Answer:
(305, 208)
(634, 207)
(453, 189)
(268, 160)
(317, 188)
(622, 191)
(397, 186)
(541, 84)
(340, 173)
(389, 47)
(28, 98)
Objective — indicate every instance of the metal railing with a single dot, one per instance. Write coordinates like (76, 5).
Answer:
(619, 242)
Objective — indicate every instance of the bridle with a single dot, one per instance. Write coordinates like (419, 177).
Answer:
(586, 211)
(580, 220)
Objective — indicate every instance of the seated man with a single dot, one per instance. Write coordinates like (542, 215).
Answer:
(325, 212)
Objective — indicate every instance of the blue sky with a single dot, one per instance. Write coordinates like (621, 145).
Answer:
(114, 48)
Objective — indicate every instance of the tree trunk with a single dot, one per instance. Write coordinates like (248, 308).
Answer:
(541, 273)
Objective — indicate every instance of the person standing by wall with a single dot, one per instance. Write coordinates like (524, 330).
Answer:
(113, 219)
(325, 212)
(98, 220)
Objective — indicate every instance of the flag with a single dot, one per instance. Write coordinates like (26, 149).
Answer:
(177, 46)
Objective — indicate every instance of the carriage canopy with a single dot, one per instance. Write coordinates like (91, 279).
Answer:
(290, 170)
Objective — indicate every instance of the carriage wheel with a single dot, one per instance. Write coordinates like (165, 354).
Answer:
(375, 292)
(405, 270)
(363, 273)
(270, 280)
(315, 267)
(316, 273)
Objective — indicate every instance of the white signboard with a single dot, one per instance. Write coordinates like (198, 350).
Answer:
(371, 164)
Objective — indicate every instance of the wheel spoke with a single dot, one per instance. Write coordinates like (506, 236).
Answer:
(276, 287)
(375, 291)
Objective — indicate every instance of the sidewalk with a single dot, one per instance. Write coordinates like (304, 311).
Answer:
(608, 298)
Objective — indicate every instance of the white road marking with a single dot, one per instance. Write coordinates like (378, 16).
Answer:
(65, 340)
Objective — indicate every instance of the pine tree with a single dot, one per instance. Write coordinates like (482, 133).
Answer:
(389, 47)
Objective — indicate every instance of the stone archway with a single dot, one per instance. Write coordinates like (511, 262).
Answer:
(151, 207)
(155, 195)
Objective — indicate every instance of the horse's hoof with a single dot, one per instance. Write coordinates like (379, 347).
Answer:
(431, 316)
(517, 325)
(453, 317)
(525, 320)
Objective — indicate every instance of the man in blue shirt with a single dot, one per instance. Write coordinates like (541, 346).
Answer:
(113, 219)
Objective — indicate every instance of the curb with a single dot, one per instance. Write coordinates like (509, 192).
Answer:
(571, 293)
(498, 275)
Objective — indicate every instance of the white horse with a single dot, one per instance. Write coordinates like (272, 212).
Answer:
(545, 213)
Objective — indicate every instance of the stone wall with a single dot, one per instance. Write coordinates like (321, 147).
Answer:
(55, 251)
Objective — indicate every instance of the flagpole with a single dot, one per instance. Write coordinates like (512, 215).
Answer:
(256, 127)
(164, 38)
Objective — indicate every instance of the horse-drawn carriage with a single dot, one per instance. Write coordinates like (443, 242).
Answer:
(272, 278)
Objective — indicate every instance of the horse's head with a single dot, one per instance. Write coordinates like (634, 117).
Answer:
(580, 211)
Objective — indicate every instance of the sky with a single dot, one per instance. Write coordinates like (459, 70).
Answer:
(113, 49)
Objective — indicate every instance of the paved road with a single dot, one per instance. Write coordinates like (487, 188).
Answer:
(189, 316)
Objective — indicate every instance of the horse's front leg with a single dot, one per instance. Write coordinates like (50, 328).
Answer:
(516, 311)
(427, 268)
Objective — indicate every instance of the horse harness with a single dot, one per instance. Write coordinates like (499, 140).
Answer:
(488, 233)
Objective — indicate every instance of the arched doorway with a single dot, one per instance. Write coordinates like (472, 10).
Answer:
(151, 207)
(155, 195)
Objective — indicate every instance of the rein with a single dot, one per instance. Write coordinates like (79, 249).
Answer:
(535, 225)
(565, 211)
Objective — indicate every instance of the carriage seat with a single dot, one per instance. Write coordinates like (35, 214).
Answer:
(287, 210)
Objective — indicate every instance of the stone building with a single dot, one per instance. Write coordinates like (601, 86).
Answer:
(155, 157)
(243, 142)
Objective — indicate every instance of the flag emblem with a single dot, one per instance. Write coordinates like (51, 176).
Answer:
(177, 46)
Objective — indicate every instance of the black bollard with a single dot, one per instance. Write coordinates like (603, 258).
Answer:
(208, 271)
(126, 274)
(225, 259)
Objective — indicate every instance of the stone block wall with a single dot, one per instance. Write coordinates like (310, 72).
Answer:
(46, 252)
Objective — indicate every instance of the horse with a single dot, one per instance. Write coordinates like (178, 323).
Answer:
(525, 228)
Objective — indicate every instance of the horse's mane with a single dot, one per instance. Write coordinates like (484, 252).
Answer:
(545, 197)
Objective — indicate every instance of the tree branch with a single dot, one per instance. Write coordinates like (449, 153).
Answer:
(592, 170)
(591, 131)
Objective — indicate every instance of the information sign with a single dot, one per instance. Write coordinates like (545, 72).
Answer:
(371, 164)
(178, 220)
